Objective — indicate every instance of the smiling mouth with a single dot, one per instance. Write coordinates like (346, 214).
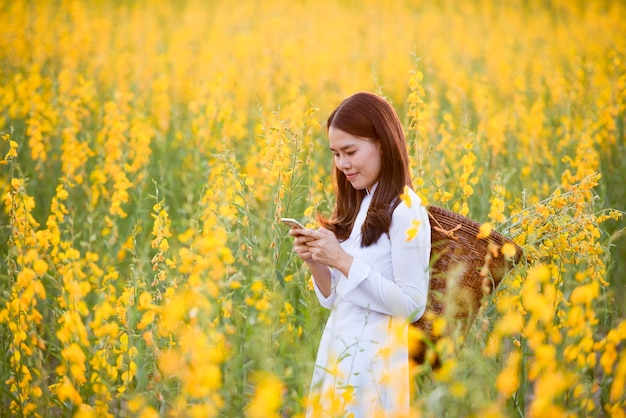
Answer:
(351, 176)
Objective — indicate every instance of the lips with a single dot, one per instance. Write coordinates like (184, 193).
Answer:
(351, 176)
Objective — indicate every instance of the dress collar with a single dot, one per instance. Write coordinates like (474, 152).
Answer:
(371, 192)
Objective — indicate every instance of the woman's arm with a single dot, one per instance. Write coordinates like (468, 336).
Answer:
(405, 293)
(322, 276)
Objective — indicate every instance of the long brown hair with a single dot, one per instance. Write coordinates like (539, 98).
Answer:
(367, 115)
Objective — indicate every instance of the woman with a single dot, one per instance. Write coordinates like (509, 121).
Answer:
(366, 268)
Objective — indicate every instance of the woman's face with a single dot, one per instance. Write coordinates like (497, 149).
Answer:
(358, 158)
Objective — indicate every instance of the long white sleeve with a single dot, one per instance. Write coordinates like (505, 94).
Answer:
(405, 293)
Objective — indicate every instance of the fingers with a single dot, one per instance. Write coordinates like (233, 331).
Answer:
(303, 251)
(314, 245)
(312, 233)
(298, 232)
(302, 244)
(302, 240)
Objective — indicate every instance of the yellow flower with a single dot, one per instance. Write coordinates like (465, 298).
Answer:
(458, 390)
(443, 196)
(171, 363)
(41, 267)
(405, 196)
(288, 308)
(508, 250)
(267, 397)
(493, 345)
(484, 231)
(439, 326)
(257, 287)
(146, 319)
(608, 358)
(619, 382)
(510, 324)
(585, 294)
(539, 273)
(507, 381)
(411, 233)
(150, 412)
(85, 411)
(497, 209)
(148, 337)
(446, 372)
(25, 277)
(67, 392)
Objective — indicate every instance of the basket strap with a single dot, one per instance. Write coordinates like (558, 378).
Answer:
(448, 233)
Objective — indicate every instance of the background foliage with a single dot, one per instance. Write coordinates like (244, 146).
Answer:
(149, 149)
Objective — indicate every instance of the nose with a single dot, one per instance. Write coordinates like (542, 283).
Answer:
(343, 162)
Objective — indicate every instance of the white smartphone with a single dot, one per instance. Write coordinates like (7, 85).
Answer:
(292, 223)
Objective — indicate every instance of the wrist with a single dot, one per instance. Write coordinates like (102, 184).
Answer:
(344, 264)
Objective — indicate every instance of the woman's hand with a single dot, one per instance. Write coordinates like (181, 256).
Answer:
(322, 247)
(320, 272)
(300, 244)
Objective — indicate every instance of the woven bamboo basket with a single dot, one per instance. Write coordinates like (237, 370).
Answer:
(464, 269)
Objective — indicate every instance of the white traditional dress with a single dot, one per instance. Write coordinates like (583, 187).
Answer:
(362, 360)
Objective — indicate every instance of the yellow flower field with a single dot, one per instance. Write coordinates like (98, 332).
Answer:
(148, 149)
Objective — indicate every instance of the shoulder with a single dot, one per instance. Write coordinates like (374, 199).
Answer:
(410, 213)
(409, 209)
(409, 206)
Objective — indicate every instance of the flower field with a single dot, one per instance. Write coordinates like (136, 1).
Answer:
(149, 148)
